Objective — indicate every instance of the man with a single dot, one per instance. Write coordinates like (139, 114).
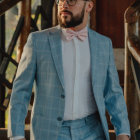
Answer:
(76, 80)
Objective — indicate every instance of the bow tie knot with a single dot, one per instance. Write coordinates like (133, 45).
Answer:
(70, 34)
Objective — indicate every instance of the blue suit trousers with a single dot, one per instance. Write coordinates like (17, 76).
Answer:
(87, 128)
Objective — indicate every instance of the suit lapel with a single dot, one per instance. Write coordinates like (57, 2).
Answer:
(56, 49)
(93, 53)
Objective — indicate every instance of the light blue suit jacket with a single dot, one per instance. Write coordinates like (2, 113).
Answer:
(42, 61)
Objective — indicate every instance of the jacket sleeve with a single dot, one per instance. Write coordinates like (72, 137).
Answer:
(114, 99)
(22, 89)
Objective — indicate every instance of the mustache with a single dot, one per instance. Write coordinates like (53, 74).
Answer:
(66, 11)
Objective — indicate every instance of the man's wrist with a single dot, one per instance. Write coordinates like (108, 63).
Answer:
(127, 134)
(123, 137)
(17, 137)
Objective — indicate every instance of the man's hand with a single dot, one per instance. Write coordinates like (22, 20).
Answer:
(122, 137)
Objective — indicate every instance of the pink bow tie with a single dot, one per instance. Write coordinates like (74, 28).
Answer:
(70, 34)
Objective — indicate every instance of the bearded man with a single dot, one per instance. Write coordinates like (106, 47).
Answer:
(76, 82)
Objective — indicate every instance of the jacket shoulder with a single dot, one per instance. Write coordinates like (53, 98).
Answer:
(99, 36)
(43, 34)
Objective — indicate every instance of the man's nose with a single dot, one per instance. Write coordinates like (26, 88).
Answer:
(65, 4)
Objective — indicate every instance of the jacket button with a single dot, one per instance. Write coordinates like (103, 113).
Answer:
(62, 96)
(59, 119)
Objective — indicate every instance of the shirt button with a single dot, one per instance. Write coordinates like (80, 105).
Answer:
(62, 96)
(59, 119)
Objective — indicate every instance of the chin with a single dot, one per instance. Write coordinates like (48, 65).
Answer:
(64, 21)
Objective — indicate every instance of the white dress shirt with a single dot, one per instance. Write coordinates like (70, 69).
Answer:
(79, 99)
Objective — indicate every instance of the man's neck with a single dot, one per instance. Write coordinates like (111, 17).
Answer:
(79, 27)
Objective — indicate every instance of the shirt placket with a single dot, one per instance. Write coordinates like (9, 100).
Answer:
(76, 81)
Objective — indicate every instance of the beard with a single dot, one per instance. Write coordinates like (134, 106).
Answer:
(74, 21)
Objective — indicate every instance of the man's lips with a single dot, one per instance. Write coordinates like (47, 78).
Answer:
(65, 13)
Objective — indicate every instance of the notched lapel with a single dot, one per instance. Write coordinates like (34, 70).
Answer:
(56, 49)
(93, 43)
